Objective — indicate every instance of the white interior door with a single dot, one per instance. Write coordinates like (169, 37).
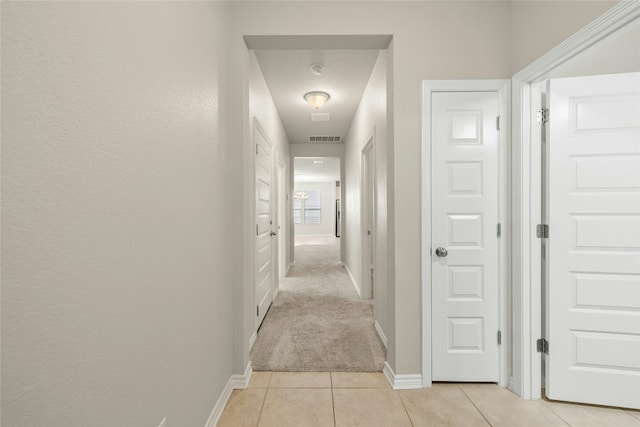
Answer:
(264, 259)
(465, 309)
(593, 258)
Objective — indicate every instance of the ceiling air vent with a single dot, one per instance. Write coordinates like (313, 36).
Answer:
(325, 138)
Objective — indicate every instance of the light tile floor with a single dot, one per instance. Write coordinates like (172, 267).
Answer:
(347, 399)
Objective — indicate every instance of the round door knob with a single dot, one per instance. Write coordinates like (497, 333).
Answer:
(441, 252)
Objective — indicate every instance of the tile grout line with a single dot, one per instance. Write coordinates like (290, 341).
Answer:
(333, 401)
(264, 399)
(474, 405)
(404, 406)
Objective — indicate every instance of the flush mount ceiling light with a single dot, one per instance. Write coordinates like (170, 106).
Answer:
(300, 195)
(316, 99)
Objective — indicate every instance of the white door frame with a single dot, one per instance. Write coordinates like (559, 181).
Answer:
(527, 197)
(501, 87)
(367, 245)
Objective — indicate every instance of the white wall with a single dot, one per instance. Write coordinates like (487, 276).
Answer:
(328, 204)
(371, 114)
(538, 26)
(116, 269)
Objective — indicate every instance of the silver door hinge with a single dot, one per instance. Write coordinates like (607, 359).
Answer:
(542, 116)
(542, 231)
(499, 337)
(257, 310)
(256, 229)
(542, 346)
(499, 230)
(256, 148)
(498, 123)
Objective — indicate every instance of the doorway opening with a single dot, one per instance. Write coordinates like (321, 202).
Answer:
(316, 205)
(322, 315)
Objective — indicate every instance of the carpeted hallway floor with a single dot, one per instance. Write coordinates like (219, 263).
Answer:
(318, 322)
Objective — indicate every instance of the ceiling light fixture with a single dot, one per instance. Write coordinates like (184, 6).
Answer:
(316, 99)
(300, 195)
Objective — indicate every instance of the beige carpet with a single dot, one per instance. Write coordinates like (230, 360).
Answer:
(318, 322)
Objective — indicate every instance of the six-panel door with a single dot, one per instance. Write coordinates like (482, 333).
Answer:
(464, 222)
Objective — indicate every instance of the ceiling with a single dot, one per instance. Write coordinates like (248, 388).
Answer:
(316, 169)
(289, 76)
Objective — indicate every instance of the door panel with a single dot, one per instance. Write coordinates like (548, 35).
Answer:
(593, 256)
(464, 220)
(263, 257)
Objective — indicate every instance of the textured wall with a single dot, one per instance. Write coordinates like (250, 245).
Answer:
(116, 273)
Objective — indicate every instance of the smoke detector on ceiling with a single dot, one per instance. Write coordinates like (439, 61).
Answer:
(317, 69)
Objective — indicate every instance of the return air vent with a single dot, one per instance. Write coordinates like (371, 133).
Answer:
(320, 117)
(325, 138)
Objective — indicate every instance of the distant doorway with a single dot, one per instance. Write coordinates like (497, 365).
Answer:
(316, 201)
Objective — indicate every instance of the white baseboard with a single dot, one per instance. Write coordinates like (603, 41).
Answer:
(353, 281)
(381, 334)
(252, 340)
(235, 382)
(402, 382)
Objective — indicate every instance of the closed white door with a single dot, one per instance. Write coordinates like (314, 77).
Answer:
(464, 236)
(593, 257)
(264, 264)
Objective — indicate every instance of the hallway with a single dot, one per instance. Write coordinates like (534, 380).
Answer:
(365, 399)
(317, 322)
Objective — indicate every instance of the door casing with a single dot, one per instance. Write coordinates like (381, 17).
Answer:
(367, 215)
(501, 87)
(283, 226)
